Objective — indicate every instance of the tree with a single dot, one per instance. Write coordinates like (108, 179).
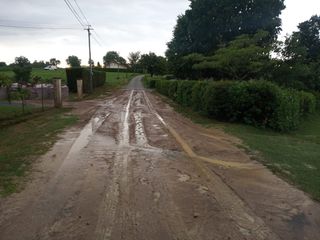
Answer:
(22, 61)
(3, 64)
(73, 61)
(242, 59)
(98, 65)
(22, 69)
(153, 64)
(134, 59)
(300, 67)
(40, 64)
(111, 57)
(305, 43)
(209, 24)
(54, 62)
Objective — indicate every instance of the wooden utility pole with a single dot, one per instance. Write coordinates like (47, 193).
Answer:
(90, 60)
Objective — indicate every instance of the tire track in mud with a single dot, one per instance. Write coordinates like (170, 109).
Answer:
(118, 193)
(119, 180)
(249, 224)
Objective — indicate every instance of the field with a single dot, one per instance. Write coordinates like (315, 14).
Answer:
(45, 74)
(294, 156)
(113, 79)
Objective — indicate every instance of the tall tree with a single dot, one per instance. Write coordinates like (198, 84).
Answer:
(22, 69)
(134, 59)
(22, 61)
(54, 62)
(153, 64)
(111, 57)
(209, 24)
(73, 61)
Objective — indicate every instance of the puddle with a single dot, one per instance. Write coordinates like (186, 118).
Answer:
(139, 131)
(86, 133)
(125, 131)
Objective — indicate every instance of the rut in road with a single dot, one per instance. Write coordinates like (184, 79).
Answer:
(134, 173)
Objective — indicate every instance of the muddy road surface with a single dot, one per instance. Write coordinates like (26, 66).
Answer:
(139, 171)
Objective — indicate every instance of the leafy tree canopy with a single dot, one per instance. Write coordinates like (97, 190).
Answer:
(243, 58)
(113, 57)
(73, 61)
(210, 23)
(153, 64)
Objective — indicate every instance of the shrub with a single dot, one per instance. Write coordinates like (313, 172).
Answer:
(184, 92)
(287, 112)
(197, 97)
(258, 103)
(308, 103)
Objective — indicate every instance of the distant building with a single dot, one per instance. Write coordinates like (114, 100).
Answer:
(116, 66)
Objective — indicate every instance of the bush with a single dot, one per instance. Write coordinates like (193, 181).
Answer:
(184, 92)
(74, 74)
(308, 103)
(258, 103)
(22, 74)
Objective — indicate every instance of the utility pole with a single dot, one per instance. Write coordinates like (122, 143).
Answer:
(90, 60)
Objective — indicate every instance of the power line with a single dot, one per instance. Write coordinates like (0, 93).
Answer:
(37, 27)
(81, 12)
(74, 12)
(96, 40)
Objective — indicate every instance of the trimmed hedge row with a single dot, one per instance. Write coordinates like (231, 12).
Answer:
(74, 74)
(258, 103)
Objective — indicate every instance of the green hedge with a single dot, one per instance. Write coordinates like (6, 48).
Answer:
(74, 74)
(258, 103)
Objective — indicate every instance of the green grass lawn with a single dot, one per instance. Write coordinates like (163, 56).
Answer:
(21, 143)
(45, 74)
(294, 156)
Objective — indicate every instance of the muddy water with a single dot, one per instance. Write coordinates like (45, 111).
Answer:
(138, 170)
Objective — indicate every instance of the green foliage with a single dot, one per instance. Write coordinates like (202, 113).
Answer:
(208, 24)
(197, 98)
(22, 74)
(184, 93)
(22, 69)
(308, 103)
(153, 64)
(74, 74)
(257, 103)
(242, 59)
(300, 68)
(134, 58)
(113, 57)
(73, 61)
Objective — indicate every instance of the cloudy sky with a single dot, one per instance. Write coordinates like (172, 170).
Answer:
(121, 25)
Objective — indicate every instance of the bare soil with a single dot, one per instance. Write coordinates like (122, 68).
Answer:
(135, 169)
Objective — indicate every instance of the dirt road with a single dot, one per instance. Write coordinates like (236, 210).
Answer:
(138, 170)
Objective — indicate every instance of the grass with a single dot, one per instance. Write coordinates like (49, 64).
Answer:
(294, 156)
(13, 111)
(45, 74)
(117, 80)
(21, 143)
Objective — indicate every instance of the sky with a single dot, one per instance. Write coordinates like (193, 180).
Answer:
(120, 25)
